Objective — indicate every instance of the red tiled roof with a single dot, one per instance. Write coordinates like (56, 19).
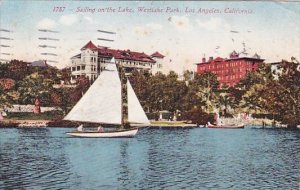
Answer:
(219, 59)
(118, 54)
(125, 54)
(158, 55)
(89, 45)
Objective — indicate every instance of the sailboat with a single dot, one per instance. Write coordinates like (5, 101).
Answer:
(110, 100)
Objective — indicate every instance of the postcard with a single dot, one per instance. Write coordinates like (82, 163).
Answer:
(149, 94)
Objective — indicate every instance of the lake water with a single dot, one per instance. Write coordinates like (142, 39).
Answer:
(154, 159)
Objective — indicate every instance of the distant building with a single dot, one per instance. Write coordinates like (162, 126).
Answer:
(92, 59)
(158, 66)
(39, 63)
(230, 71)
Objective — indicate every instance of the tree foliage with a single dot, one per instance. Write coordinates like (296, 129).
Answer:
(282, 97)
(34, 85)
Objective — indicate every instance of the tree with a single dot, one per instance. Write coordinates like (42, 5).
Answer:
(17, 70)
(282, 97)
(32, 86)
(139, 82)
(83, 85)
(252, 100)
(208, 85)
(188, 75)
(248, 92)
(197, 115)
(191, 99)
(61, 97)
(5, 99)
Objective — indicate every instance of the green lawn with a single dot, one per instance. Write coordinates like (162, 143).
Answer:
(32, 116)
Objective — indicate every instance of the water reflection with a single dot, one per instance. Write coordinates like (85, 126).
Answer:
(124, 177)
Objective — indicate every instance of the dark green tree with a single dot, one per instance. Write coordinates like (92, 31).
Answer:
(32, 86)
(208, 86)
(282, 97)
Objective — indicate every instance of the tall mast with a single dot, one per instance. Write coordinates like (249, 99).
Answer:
(124, 100)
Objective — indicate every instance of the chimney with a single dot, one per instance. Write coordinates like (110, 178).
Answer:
(203, 60)
(211, 58)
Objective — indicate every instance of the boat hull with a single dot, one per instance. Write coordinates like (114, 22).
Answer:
(109, 134)
(225, 126)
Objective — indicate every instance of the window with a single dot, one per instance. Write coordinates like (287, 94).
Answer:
(73, 68)
(78, 68)
(83, 67)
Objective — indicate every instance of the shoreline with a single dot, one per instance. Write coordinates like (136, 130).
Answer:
(154, 124)
(66, 124)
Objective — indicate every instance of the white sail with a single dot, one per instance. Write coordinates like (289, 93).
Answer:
(102, 102)
(136, 113)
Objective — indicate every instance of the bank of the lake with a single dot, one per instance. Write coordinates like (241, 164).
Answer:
(154, 124)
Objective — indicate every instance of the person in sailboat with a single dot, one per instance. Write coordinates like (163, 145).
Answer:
(80, 128)
(100, 129)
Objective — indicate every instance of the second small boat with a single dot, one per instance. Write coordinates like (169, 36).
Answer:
(209, 125)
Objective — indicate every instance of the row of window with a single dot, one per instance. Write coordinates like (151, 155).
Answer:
(229, 77)
(231, 70)
(134, 63)
(78, 68)
(82, 67)
(226, 65)
(102, 60)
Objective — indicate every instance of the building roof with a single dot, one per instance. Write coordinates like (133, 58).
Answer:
(228, 60)
(219, 59)
(233, 56)
(158, 55)
(77, 56)
(39, 63)
(125, 54)
(118, 54)
(89, 45)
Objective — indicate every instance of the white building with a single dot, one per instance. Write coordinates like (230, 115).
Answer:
(91, 61)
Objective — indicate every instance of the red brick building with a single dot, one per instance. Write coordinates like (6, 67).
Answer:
(230, 71)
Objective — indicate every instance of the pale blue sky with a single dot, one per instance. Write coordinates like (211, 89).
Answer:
(272, 30)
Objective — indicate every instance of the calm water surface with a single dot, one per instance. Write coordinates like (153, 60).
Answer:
(154, 159)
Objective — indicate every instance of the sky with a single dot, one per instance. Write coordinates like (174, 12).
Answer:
(182, 31)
